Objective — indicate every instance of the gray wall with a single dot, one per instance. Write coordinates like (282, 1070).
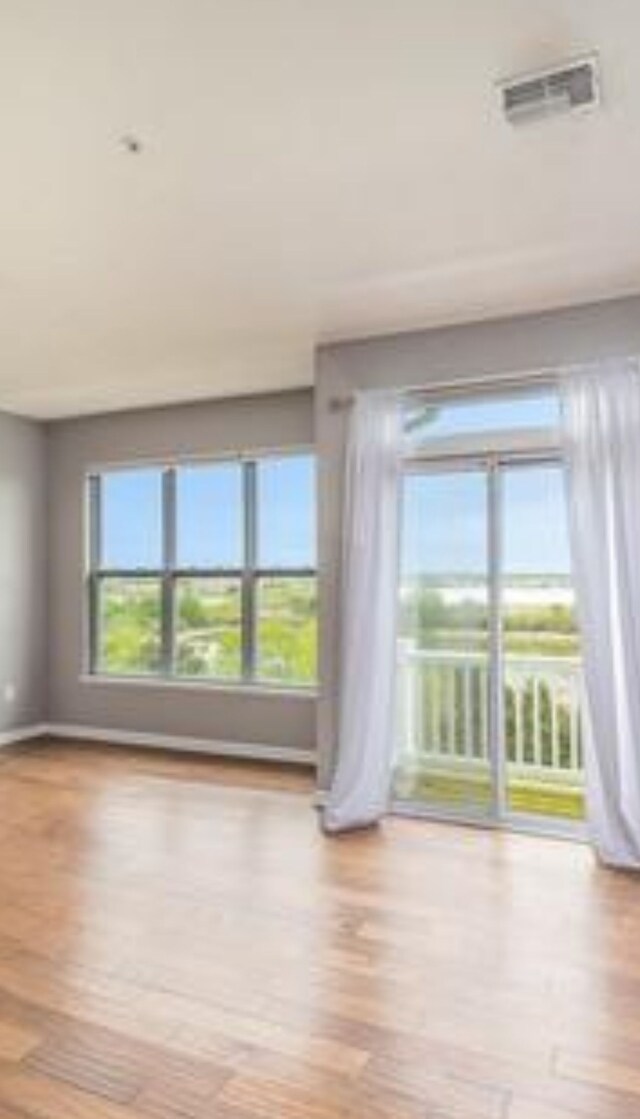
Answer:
(268, 422)
(502, 347)
(22, 573)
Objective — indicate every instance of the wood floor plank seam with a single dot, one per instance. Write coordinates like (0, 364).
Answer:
(179, 941)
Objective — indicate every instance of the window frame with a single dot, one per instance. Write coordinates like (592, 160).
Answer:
(249, 574)
(525, 441)
(492, 451)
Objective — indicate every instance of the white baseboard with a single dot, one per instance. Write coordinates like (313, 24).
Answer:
(22, 734)
(253, 751)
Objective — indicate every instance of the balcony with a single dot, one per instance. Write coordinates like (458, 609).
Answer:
(443, 753)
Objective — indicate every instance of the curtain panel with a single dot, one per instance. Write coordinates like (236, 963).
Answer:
(601, 433)
(359, 792)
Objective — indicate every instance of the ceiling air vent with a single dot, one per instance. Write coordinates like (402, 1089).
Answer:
(573, 85)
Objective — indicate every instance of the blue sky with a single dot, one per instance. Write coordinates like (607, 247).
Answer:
(210, 515)
(531, 410)
(445, 527)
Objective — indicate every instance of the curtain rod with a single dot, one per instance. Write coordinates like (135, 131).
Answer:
(461, 386)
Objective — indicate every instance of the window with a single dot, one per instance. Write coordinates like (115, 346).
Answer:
(205, 571)
(433, 426)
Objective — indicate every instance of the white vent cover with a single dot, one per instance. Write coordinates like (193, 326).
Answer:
(570, 86)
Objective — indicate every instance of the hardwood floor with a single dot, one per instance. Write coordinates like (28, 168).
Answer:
(179, 941)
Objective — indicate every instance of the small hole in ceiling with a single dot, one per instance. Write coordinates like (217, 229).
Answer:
(131, 144)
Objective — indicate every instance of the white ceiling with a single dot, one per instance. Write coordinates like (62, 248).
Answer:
(311, 169)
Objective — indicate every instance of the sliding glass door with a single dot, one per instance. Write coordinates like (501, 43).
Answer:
(540, 647)
(489, 671)
(444, 757)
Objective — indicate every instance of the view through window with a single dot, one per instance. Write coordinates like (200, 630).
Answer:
(489, 659)
(205, 571)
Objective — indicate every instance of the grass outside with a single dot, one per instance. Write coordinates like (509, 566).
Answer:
(473, 792)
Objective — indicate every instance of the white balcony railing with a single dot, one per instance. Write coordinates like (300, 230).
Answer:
(444, 712)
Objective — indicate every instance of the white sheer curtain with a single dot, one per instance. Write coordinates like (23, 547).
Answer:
(601, 422)
(366, 725)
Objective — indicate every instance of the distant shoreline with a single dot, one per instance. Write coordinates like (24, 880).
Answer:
(522, 590)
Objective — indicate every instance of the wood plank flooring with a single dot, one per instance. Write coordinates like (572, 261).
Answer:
(179, 941)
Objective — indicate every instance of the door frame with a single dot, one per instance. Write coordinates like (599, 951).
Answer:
(492, 463)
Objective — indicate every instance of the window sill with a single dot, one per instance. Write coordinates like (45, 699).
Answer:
(164, 683)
